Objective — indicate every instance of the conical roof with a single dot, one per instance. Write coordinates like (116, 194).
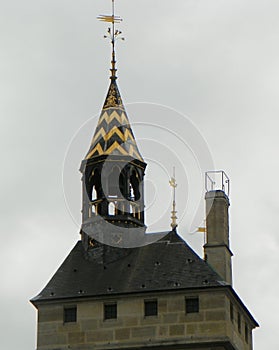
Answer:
(113, 134)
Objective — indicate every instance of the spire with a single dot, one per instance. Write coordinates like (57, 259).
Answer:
(173, 184)
(114, 35)
(113, 135)
(113, 170)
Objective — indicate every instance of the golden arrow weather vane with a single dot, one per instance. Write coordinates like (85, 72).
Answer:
(112, 34)
(173, 184)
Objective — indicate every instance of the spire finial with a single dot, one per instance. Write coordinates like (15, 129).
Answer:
(173, 184)
(112, 34)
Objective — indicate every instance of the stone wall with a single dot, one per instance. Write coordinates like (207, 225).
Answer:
(172, 325)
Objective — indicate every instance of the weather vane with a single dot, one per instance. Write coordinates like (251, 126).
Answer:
(112, 34)
(173, 184)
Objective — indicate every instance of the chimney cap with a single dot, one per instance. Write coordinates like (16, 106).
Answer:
(217, 180)
(217, 194)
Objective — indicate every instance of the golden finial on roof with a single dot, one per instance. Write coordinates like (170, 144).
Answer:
(112, 34)
(173, 184)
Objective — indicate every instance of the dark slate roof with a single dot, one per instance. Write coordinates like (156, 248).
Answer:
(167, 264)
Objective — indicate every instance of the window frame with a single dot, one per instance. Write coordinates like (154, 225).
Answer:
(193, 308)
(112, 313)
(70, 314)
(152, 311)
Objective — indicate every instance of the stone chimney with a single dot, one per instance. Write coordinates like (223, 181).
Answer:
(217, 251)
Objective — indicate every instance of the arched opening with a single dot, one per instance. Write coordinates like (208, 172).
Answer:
(93, 209)
(134, 186)
(122, 184)
(132, 193)
(131, 211)
(96, 188)
(111, 208)
(94, 193)
(113, 182)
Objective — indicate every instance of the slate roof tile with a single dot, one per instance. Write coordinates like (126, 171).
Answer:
(167, 264)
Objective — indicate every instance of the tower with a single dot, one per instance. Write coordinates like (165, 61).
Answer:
(116, 291)
(112, 177)
(113, 170)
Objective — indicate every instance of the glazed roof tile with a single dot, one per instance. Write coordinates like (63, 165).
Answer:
(113, 134)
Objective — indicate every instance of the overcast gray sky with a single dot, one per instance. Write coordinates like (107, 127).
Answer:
(213, 61)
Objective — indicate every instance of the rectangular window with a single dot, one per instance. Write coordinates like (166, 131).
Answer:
(192, 305)
(231, 311)
(239, 322)
(246, 333)
(150, 308)
(70, 314)
(110, 311)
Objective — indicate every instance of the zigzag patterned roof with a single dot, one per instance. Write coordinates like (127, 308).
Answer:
(113, 134)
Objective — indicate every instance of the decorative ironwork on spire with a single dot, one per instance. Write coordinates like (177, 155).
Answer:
(112, 34)
(173, 184)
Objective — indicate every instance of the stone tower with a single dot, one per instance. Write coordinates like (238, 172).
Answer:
(120, 288)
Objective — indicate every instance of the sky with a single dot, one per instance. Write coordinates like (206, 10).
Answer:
(199, 80)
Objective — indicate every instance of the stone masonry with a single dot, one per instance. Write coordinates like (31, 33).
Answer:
(216, 322)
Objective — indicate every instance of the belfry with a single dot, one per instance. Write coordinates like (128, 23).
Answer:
(113, 172)
(121, 288)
